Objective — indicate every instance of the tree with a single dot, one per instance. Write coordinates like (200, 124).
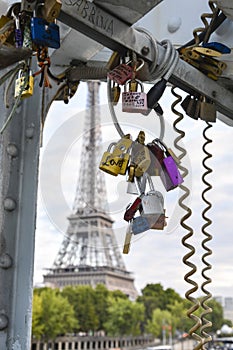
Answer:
(155, 297)
(52, 315)
(161, 321)
(125, 317)
(82, 298)
(37, 325)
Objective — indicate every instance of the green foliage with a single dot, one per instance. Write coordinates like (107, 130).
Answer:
(84, 309)
(124, 318)
(83, 300)
(155, 297)
(52, 315)
(161, 321)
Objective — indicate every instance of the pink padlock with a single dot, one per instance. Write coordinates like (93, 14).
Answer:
(121, 73)
(134, 101)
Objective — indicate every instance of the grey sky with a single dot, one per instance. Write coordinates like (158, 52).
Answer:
(155, 256)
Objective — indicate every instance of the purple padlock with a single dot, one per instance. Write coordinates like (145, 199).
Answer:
(170, 174)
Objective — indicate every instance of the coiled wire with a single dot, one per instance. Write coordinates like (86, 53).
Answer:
(190, 232)
(207, 310)
(207, 26)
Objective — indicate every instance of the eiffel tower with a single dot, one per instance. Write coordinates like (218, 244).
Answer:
(89, 253)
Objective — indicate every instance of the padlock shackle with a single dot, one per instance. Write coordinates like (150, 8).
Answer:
(110, 146)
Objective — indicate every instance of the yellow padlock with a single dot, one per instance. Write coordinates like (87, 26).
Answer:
(109, 164)
(122, 150)
(22, 87)
(116, 162)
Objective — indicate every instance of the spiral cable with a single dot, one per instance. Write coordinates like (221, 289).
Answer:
(185, 239)
(207, 310)
(207, 25)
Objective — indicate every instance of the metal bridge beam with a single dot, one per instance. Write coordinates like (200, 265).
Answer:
(117, 35)
(19, 155)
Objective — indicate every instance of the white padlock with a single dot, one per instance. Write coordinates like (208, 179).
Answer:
(134, 101)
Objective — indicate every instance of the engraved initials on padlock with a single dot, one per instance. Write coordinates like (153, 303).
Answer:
(134, 102)
(121, 74)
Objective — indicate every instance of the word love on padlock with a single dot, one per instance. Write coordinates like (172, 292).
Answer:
(24, 84)
(116, 162)
(134, 101)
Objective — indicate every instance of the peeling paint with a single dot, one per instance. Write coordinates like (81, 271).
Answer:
(16, 345)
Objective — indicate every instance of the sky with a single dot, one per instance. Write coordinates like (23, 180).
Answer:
(155, 256)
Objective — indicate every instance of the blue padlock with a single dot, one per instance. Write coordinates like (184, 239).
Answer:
(140, 224)
(44, 33)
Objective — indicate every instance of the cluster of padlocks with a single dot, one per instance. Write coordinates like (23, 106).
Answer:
(139, 161)
(134, 99)
(37, 32)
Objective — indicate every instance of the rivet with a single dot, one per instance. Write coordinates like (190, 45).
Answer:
(5, 261)
(145, 50)
(30, 132)
(9, 204)
(3, 321)
(12, 150)
(174, 24)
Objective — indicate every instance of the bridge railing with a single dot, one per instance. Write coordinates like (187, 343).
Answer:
(94, 343)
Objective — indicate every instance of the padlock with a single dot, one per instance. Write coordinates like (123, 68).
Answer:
(172, 170)
(169, 172)
(24, 84)
(122, 149)
(116, 162)
(122, 73)
(207, 110)
(152, 207)
(108, 163)
(139, 186)
(191, 106)
(140, 155)
(18, 33)
(7, 27)
(51, 10)
(218, 47)
(156, 156)
(115, 93)
(140, 224)
(128, 237)
(207, 51)
(44, 33)
(134, 102)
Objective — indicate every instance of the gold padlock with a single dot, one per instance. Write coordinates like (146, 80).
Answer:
(107, 163)
(140, 155)
(115, 94)
(122, 149)
(51, 10)
(116, 162)
(23, 87)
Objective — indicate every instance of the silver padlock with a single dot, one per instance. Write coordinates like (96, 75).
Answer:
(133, 187)
(134, 101)
(152, 207)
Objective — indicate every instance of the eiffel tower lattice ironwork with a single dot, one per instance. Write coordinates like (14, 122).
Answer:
(89, 253)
